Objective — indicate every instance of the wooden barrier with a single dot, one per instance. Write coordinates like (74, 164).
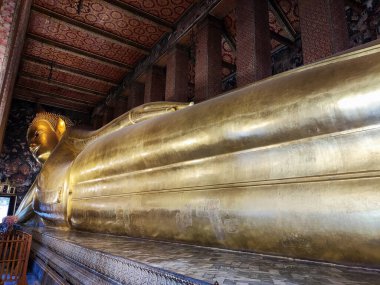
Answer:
(14, 256)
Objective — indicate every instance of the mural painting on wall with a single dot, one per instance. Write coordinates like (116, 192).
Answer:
(363, 20)
(287, 58)
(229, 52)
(191, 72)
(229, 64)
(16, 161)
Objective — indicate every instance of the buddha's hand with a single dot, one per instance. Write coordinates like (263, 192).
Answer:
(149, 110)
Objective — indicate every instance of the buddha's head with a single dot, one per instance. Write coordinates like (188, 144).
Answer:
(44, 133)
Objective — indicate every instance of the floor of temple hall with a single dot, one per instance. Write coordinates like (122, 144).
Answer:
(211, 265)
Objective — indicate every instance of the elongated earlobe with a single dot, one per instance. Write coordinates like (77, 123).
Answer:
(61, 128)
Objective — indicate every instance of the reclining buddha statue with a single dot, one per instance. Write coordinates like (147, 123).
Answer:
(286, 166)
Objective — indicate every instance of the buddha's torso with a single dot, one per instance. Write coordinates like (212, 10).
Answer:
(52, 189)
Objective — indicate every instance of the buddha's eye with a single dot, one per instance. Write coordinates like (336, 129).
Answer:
(36, 134)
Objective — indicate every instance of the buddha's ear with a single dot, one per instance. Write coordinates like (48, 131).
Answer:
(61, 128)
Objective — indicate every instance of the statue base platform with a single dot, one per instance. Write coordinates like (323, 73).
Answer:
(73, 257)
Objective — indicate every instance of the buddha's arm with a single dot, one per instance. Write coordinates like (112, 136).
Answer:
(25, 210)
(142, 113)
(154, 109)
(136, 115)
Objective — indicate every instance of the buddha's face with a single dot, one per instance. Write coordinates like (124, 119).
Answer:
(42, 140)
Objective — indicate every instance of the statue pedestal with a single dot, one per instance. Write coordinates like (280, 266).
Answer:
(61, 257)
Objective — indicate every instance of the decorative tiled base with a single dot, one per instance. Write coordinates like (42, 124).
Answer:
(88, 258)
(78, 264)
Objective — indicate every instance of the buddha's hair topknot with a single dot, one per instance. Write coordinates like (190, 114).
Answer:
(51, 118)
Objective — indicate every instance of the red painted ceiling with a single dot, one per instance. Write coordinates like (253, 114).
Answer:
(56, 55)
(109, 18)
(63, 76)
(76, 51)
(58, 31)
(169, 10)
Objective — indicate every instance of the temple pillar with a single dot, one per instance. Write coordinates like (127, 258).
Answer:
(324, 29)
(135, 93)
(176, 75)
(121, 106)
(97, 116)
(14, 17)
(97, 121)
(154, 85)
(253, 50)
(108, 115)
(208, 60)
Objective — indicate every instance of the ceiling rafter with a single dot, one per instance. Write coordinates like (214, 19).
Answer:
(165, 25)
(38, 98)
(228, 65)
(51, 102)
(281, 39)
(230, 40)
(78, 51)
(133, 45)
(56, 95)
(52, 96)
(37, 93)
(61, 85)
(70, 69)
(52, 66)
(282, 19)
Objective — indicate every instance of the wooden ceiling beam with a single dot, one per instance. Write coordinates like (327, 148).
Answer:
(131, 44)
(282, 19)
(282, 40)
(228, 65)
(55, 95)
(31, 91)
(78, 51)
(53, 102)
(69, 69)
(165, 25)
(38, 96)
(62, 84)
(229, 39)
(36, 93)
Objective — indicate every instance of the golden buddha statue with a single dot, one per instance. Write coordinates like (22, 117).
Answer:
(286, 166)
(47, 129)
(44, 133)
